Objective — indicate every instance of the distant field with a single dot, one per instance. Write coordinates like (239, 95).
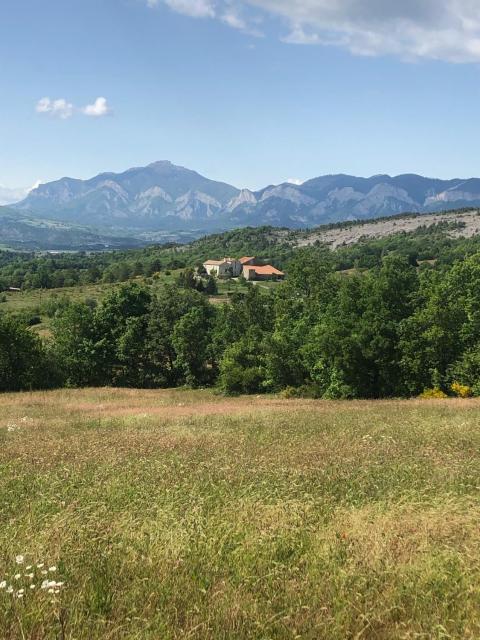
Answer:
(33, 301)
(181, 514)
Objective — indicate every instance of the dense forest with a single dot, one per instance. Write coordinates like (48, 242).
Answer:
(399, 316)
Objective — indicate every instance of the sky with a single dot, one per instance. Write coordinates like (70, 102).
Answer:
(251, 92)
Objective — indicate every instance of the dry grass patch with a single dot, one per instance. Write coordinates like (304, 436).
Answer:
(179, 514)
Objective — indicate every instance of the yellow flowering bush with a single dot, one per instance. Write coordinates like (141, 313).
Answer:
(461, 390)
(436, 392)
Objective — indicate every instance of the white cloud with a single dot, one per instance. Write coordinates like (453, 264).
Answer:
(233, 20)
(98, 109)
(447, 30)
(58, 108)
(192, 8)
(34, 186)
(11, 195)
(298, 36)
(233, 16)
(228, 11)
(410, 29)
(63, 109)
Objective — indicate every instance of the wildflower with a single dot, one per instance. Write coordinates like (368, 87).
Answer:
(40, 565)
(45, 584)
(19, 559)
(51, 591)
(32, 586)
(28, 568)
(44, 572)
(21, 591)
(10, 589)
(3, 584)
(52, 569)
(19, 595)
(18, 576)
(29, 575)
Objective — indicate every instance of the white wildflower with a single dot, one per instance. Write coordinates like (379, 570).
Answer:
(51, 591)
(21, 591)
(45, 584)
(10, 589)
(19, 595)
(19, 559)
(32, 586)
(3, 584)
(28, 568)
(44, 572)
(52, 569)
(29, 575)
(18, 576)
(40, 565)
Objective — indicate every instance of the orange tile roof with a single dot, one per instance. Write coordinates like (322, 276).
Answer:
(246, 259)
(266, 270)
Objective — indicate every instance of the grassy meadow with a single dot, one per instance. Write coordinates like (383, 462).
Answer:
(181, 514)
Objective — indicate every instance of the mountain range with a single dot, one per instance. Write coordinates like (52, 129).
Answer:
(164, 201)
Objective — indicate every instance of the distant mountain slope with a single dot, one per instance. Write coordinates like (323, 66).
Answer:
(20, 231)
(338, 198)
(462, 223)
(159, 197)
(163, 198)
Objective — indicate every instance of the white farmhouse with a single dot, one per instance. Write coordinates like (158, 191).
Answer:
(226, 268)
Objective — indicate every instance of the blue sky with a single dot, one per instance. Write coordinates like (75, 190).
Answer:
(250, 91)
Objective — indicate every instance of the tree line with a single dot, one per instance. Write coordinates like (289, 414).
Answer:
(51, 271)
(394, 330)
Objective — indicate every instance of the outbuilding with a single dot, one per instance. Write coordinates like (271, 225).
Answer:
(265, 272)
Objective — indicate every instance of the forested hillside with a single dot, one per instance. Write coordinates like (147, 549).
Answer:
(395, 316)
(444, 237)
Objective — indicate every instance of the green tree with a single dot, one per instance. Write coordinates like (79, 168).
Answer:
(191, 340)
(25, 363)
(211, 288)
(77, 346)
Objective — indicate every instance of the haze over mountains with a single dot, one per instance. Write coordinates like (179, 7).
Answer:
(164, 201)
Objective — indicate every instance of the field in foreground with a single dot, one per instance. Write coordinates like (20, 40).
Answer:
(177, 514)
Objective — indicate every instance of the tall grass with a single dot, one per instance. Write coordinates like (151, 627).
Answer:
(179, 514)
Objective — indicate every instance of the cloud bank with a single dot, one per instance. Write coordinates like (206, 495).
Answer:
(447, 30)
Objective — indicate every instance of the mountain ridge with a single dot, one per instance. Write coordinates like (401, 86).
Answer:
(165, 198)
